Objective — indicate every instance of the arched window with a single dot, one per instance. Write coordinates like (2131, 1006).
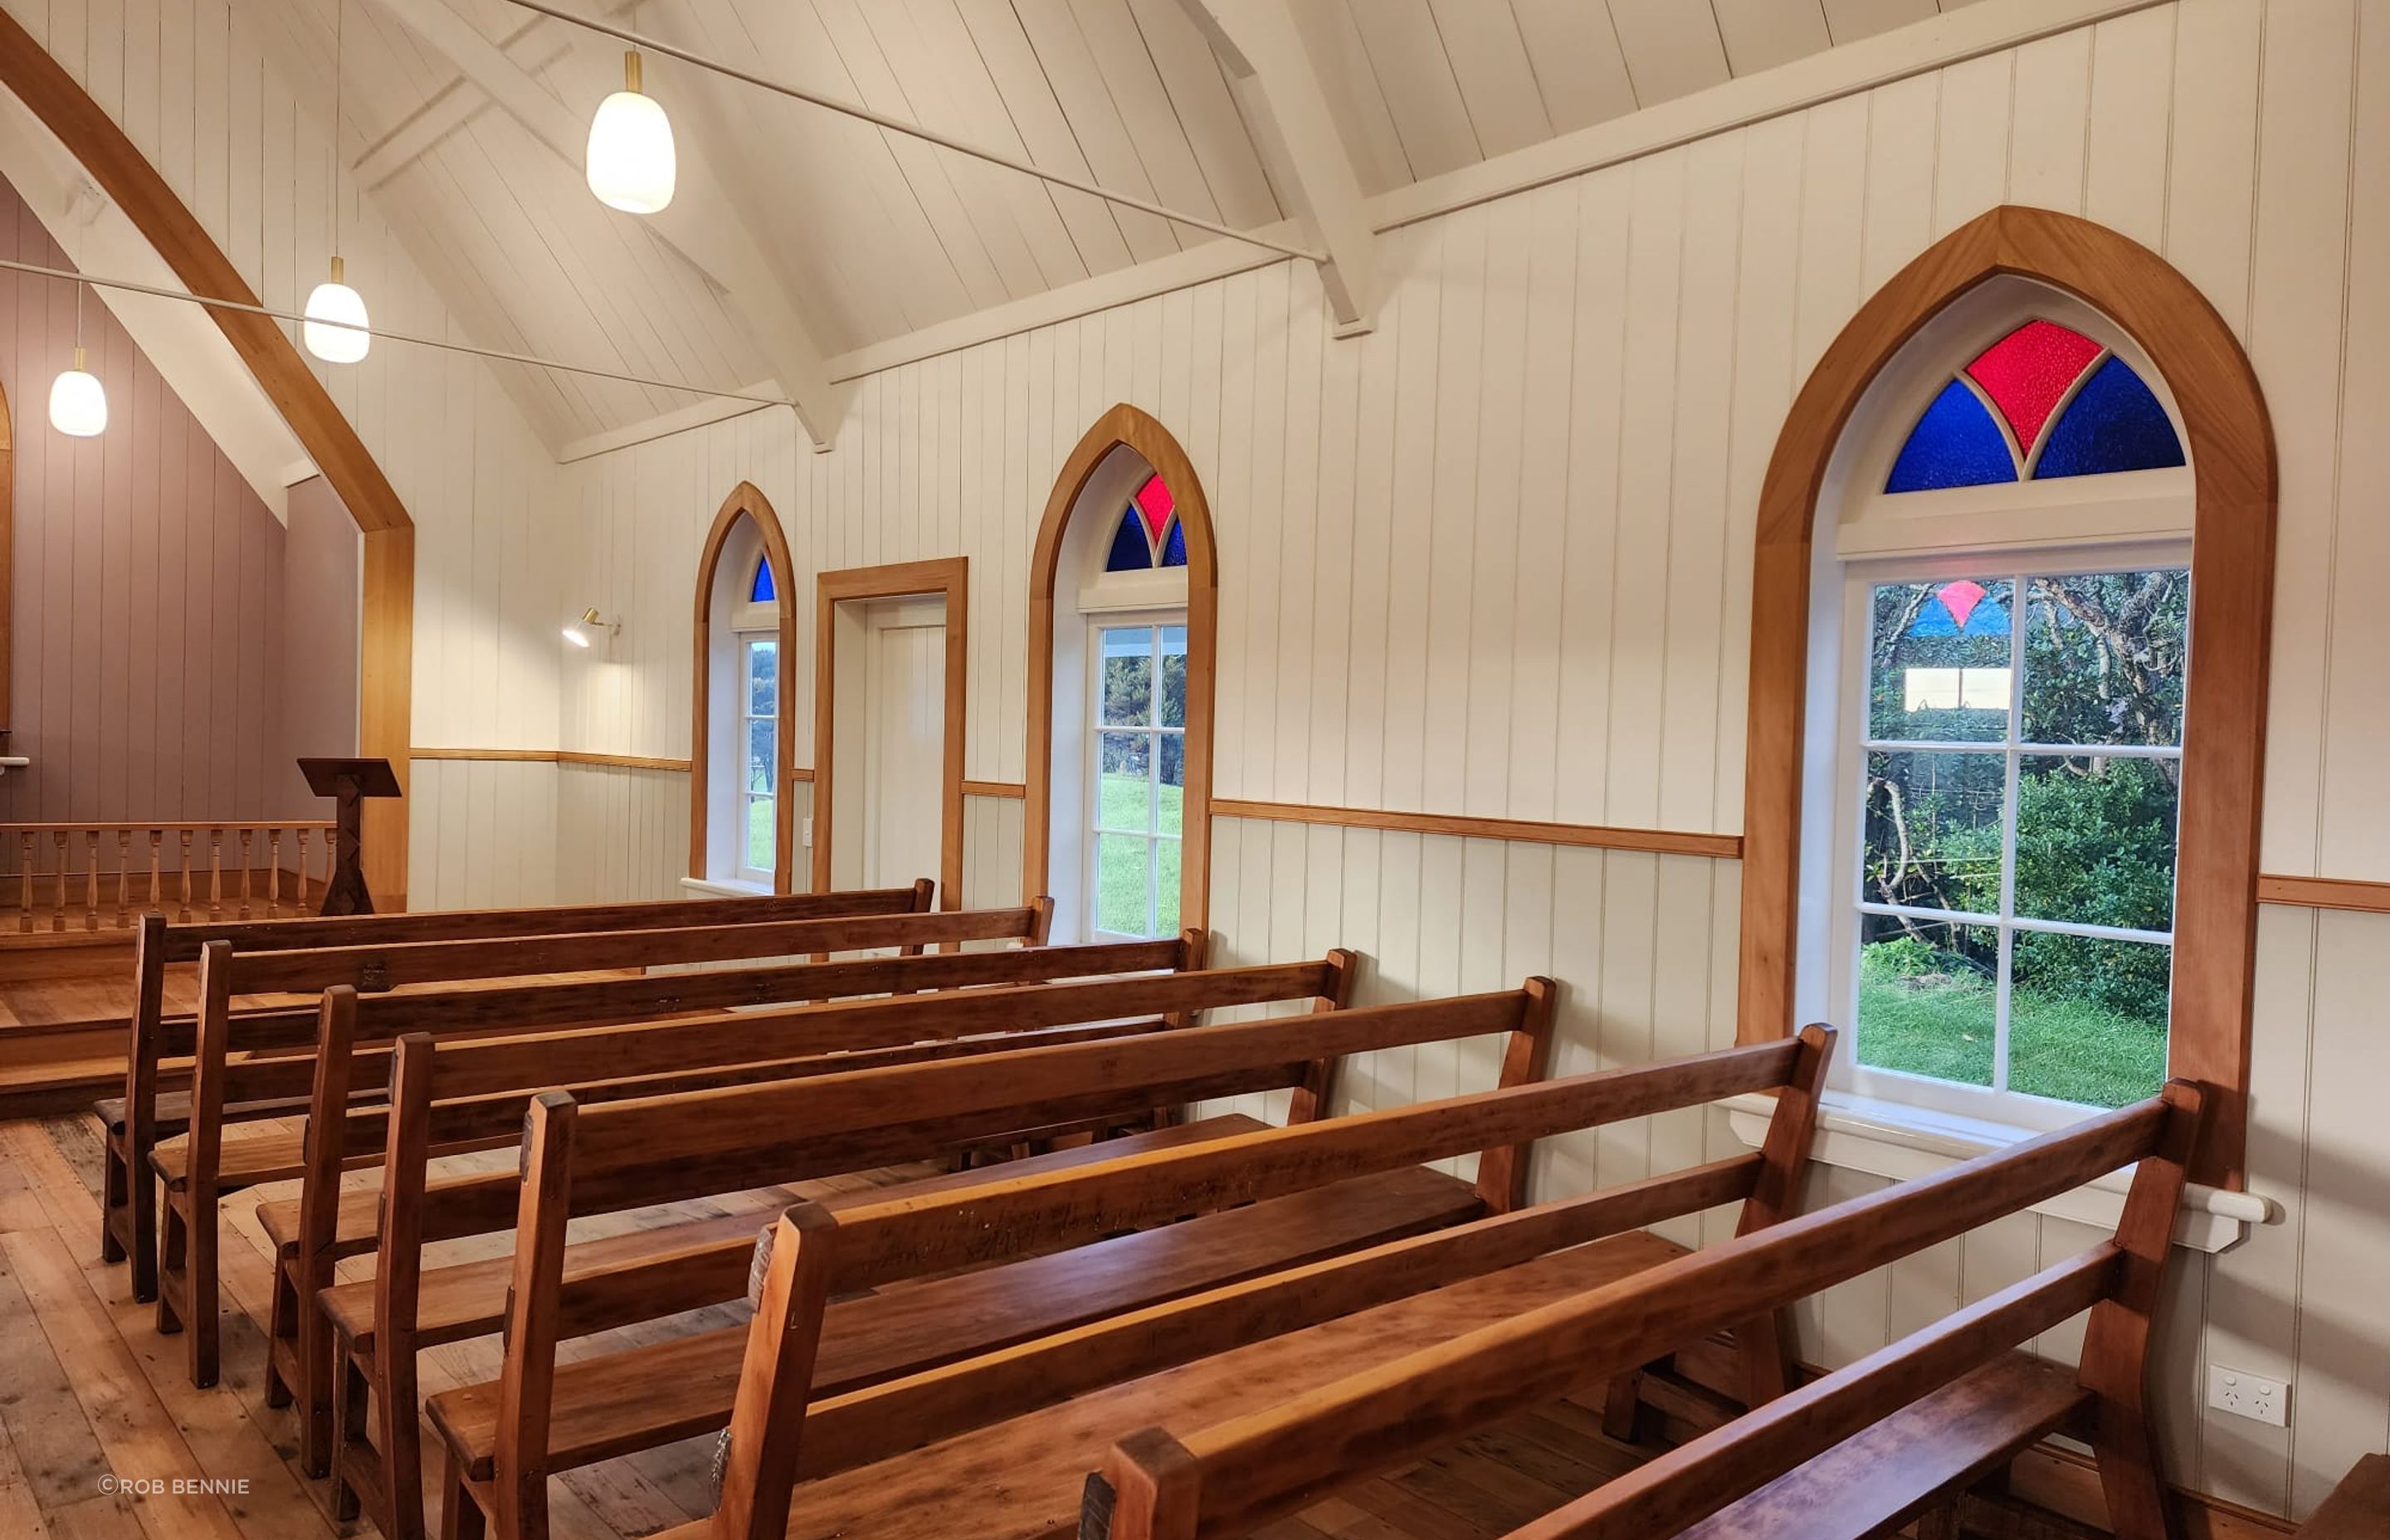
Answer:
(2001, 800)
(1123, 598)
(741, 816)
(2008, 745)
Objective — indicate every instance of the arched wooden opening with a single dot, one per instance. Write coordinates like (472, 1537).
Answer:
(2232, 583)
(746, 501)
(1125, 425)
(385, 665)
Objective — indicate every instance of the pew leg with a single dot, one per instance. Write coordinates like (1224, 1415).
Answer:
(170, 1270)
(1940, 1524)
(318, 1377)
(1622, 1409)
(282, 1326)
(350, 1439)
(2139, 1508)
(200, 1305)
(461, 1516)
(1767, 1361)
(115, 1199)
(141, 1219)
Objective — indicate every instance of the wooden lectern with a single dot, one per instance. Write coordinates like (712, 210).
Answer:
(349, 782)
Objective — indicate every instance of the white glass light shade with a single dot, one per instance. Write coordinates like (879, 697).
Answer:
(78, 402)
(335, 301)
(630, 163)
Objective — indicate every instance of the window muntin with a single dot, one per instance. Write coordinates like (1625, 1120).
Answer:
(1137, 772)
(2011, 906)
(759, 729)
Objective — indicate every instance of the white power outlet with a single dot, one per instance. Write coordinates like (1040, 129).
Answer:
(2250, 1395)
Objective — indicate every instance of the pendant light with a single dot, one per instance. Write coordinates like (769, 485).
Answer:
(78, 400)
(630, 163)
(346, 340)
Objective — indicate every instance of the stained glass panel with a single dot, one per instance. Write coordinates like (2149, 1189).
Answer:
(1131, 552)
(761, 592)
(2113, 423)
(2028, 372)
(1956, 443)
(1173, 552)
(1154, 500)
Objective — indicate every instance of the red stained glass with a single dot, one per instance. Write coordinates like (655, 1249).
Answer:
(1155, 503)
(2028, 372)
(1960, 598)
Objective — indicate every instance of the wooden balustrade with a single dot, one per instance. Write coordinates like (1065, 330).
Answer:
(105, 874)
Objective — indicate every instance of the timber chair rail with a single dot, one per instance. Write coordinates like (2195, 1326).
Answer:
(103, 875)
(789, 1427)
(204, 1166)
(128, 1212)
(503, 1439)
(952, 1055)
(323, 1225)
(1852, 1454)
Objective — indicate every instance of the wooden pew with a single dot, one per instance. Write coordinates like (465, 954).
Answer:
(324, 1224)
(2358, 1508)
(1855, 1453)
(804, 1415)
(135, 1122)
(1329, 1186)
(198, 1170)
(461, 1088)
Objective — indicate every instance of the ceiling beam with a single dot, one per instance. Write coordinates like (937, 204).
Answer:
(1277, 83)
(452, 106)
(703, 223)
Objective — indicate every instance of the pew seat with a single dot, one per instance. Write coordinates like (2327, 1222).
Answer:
(1922, 1456)
(468, 1299)
(2358, 1508)
(1021, 1478)
(656, 1393)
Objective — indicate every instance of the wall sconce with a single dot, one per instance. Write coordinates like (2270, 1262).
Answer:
(577, 632)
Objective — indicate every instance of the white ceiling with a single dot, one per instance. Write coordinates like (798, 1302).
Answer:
(870, 234)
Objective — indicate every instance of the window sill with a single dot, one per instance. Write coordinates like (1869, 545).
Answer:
(1888, 1139)
(726, 887)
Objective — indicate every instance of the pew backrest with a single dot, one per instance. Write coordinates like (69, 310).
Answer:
(581, 1158)
(1239, 1475)
(778, 1436)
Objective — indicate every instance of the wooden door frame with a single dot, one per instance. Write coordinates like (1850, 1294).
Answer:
(2232, 461)
(1125, 425)
(948, 577)
(746, 501)
(386, 632)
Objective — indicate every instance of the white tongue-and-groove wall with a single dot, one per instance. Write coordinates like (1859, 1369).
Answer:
(1493, 558)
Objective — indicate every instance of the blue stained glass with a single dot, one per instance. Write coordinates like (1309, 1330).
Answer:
(2115, 423)
(1987, 619)
(1955, 443)
(1174, 551)
(763, 591)
(1130, 552)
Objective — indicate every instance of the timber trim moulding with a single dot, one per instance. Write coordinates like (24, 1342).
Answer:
(1656, 841)
(2354, 894)
(949, 578)
(2231, 445)
(1125, 425)
(552, 757)
(1013, 791)
(387, 663)
(746, 501)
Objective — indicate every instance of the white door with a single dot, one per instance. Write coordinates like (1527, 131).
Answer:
(904, 738)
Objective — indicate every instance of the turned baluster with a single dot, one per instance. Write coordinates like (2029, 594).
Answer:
(183, 873)
(215, 874)
(123, 872)
(91, 879)
(245, 859)
(303, 907)
(25, 869)
(155, 836)
(274, 874)
(58, 888)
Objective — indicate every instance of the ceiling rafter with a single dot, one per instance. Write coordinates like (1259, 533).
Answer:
(1277, 81)
(703, 223)
(533, 46)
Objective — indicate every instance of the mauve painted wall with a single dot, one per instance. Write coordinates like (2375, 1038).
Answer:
(147, 663)
(323, 558)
